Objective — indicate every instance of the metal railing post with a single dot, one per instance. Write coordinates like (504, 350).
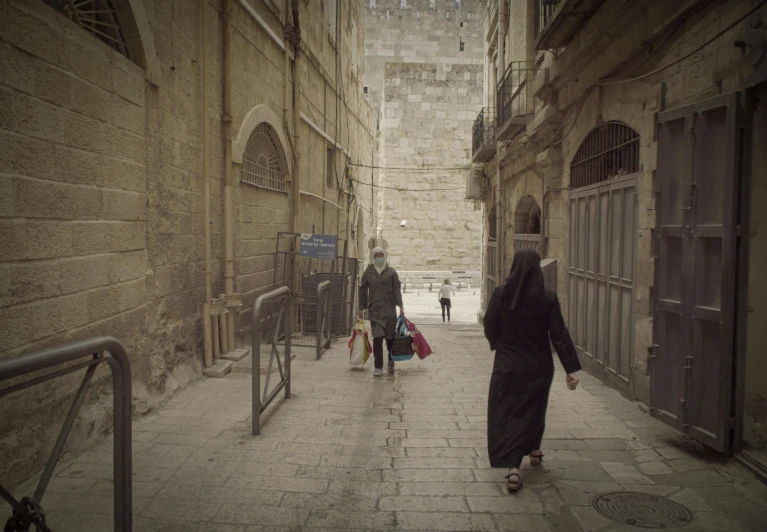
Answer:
(323, 316)
(278, 322)
(119, 365)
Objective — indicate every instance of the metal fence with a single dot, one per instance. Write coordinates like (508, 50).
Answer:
(544, 12)
(324, 318)
(272, 313)
(527, 242)
(515, 92)
(28, 511)
(483, 132)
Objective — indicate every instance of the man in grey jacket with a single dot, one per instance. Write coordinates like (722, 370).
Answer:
(380, 294)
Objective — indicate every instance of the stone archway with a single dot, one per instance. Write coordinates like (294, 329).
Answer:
(258, 115)
(527, 217)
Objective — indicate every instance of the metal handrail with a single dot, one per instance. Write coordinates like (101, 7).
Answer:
(28, 511)
(278, 324)
(324, 316)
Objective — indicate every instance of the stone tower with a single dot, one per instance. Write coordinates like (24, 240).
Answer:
(424, 68)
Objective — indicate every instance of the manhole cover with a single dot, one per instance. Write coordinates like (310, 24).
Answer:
(642, 510)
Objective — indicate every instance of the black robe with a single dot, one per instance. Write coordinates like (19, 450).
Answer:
(523, 368)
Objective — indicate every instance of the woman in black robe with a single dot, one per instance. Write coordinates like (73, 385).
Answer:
(521, 317)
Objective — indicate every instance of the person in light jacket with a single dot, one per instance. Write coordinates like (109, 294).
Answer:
(445, 291)
(380, 294)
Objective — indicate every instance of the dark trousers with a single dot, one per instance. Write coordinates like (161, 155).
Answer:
(445, 302)
(378, 350)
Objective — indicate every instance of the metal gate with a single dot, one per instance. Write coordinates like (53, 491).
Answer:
(601, 275)
(693, 336)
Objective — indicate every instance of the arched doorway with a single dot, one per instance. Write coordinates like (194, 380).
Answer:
(527, 225)
(603, 228)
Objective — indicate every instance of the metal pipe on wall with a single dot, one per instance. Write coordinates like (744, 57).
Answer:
(296, 224)
(206, 320)
(226, 123)
(502, 29)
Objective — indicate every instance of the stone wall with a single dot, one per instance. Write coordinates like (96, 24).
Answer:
(101, 189)
(429, 91)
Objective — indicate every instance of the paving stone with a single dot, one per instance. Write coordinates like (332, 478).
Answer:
(337, 520)
(427, 475)
(263, 515)
(421, 503)
(625, 473)
(444, 521)
(511, 504)
(654, 468)
(475, 489)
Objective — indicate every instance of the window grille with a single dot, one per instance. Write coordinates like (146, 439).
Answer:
(262, 164)
(97, 17)
(610, 150)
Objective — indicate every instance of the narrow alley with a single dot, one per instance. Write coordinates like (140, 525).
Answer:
(408, 452)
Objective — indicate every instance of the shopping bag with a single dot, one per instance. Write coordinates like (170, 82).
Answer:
(421, 346)
(359, 345)
(402, 349)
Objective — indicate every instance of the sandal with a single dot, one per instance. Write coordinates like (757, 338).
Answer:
(512, 485)
(536, 459)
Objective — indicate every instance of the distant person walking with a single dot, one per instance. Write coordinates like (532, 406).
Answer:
(521, 317)
(380, 294)
(445, 291)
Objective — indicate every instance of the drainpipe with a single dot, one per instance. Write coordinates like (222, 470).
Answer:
(296, 123)
(502, 29)
(206, 325)
(285, 69)
(226, 122)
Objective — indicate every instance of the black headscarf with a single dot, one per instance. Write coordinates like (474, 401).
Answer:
(523, 291)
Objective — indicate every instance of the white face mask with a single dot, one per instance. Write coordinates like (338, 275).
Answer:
(380, 261)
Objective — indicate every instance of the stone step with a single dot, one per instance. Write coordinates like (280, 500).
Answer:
(219, 369)
(237, 354)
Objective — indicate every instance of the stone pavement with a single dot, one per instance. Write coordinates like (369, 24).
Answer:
(406, 452)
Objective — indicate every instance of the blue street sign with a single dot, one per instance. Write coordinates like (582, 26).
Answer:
(318, 246)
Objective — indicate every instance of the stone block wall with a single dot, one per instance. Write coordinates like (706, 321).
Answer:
(429, 113)
(101, 189)
(429, 91)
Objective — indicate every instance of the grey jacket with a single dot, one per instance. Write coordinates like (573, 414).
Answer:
(380, 294)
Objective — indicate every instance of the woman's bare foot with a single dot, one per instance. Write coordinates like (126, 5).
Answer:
(536, 457)
(513, 480)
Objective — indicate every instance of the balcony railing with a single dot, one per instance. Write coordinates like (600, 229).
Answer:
(544, 12)
(527, 242)
(558, 21)
(483, 136)
(515, 99)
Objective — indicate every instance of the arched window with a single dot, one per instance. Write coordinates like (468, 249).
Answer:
(263, 163)
(491, 222)
(610, 150)
(100, 18)
(527, 217)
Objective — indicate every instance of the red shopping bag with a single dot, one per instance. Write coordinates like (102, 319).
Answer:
(422, 347)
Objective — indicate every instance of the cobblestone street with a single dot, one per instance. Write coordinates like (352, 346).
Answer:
(408, 452)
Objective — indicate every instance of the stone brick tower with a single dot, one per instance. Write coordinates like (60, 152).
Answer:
(424, 70)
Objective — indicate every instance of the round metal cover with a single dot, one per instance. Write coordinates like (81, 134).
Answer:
(642, 510)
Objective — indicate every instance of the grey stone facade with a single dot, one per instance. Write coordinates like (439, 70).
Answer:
(424, 69)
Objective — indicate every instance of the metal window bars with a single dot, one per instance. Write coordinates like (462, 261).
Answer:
(100, 18)
(102, 350)
(272, 313)
(324, 331)
(515, 100)
(544, 12)
(610, 150)
(263, 162)
(483, 134)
